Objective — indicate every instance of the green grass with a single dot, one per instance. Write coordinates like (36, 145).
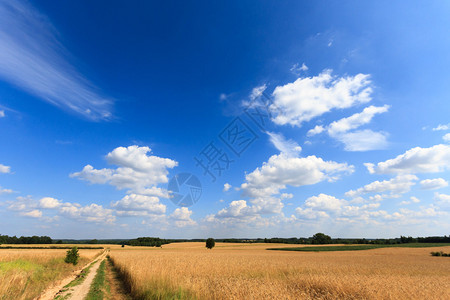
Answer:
(359, 247)
(97, 289)
(19, 264)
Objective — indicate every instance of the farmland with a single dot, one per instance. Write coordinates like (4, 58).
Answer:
(237, 271)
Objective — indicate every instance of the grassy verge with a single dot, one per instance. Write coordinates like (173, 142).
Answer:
(358, 247)
(26, 279)
(98, 287)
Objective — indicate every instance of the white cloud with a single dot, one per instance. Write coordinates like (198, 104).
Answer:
(226, 187)
(282, 170)
(309, 213)
(4, 169)
(446, 137)
(5, 191)
(398, 185)
(416, 160)
(316, 130)
(442, 127)
(325, 202)
(356, 120)
(433, 184)
(32, 57)
(33, 213)
(236, 209)
(2, 113)
(414, 199)
(360, 140)
(89, 213)
(442, 199)
(26, 206)
(49, 202)
(182, 217)
(137, 171)
(310, 97)
(257, 92)
(296, 68)
(289, 147)
(363, 140)
(135, 205)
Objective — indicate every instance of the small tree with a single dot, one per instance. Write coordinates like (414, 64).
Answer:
(72, 256)
(320, 238)
(210, 243)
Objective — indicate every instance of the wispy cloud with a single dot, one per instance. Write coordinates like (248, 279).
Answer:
(32, 58)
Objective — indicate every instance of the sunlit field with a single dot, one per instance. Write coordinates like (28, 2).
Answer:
(248, 271)
(25, 273)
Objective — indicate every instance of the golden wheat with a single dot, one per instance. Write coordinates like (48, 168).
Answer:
(242, 271)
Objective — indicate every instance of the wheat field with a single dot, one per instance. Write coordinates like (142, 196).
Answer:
(248, 271)
(25, 273)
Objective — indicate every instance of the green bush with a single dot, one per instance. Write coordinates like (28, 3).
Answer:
(72, 256)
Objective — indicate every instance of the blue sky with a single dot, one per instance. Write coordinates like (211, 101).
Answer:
(101, 104)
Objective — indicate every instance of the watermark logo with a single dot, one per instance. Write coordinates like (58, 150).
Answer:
(185, 189)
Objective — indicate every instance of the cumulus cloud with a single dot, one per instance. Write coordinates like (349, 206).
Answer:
(357, 140)
(33, 58)
(325, 202)
(139, 205)
(49, 202)
(398, 185)
(282, 170)
(89, 213)
(182, 217)
(442, 199)
(310, 97)
(289, 147)
(316, 130)
(416, 160)
(27, 206)
(5, 169)
(356, 120)
(413, 200)
(226, 187)
(433, 184)
(32, 213)
(446, 137)
(137, 171)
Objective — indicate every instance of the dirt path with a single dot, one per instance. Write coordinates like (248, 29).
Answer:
(79, 291)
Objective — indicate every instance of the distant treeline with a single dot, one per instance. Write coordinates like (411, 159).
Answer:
(311, 240)
(4, 239)
(146, 241)
(157, 242)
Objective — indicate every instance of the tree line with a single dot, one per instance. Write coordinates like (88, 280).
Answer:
(5, 239)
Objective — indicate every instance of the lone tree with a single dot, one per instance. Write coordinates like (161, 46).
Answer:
(72, 256)
(320, 238)
(210, 243)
